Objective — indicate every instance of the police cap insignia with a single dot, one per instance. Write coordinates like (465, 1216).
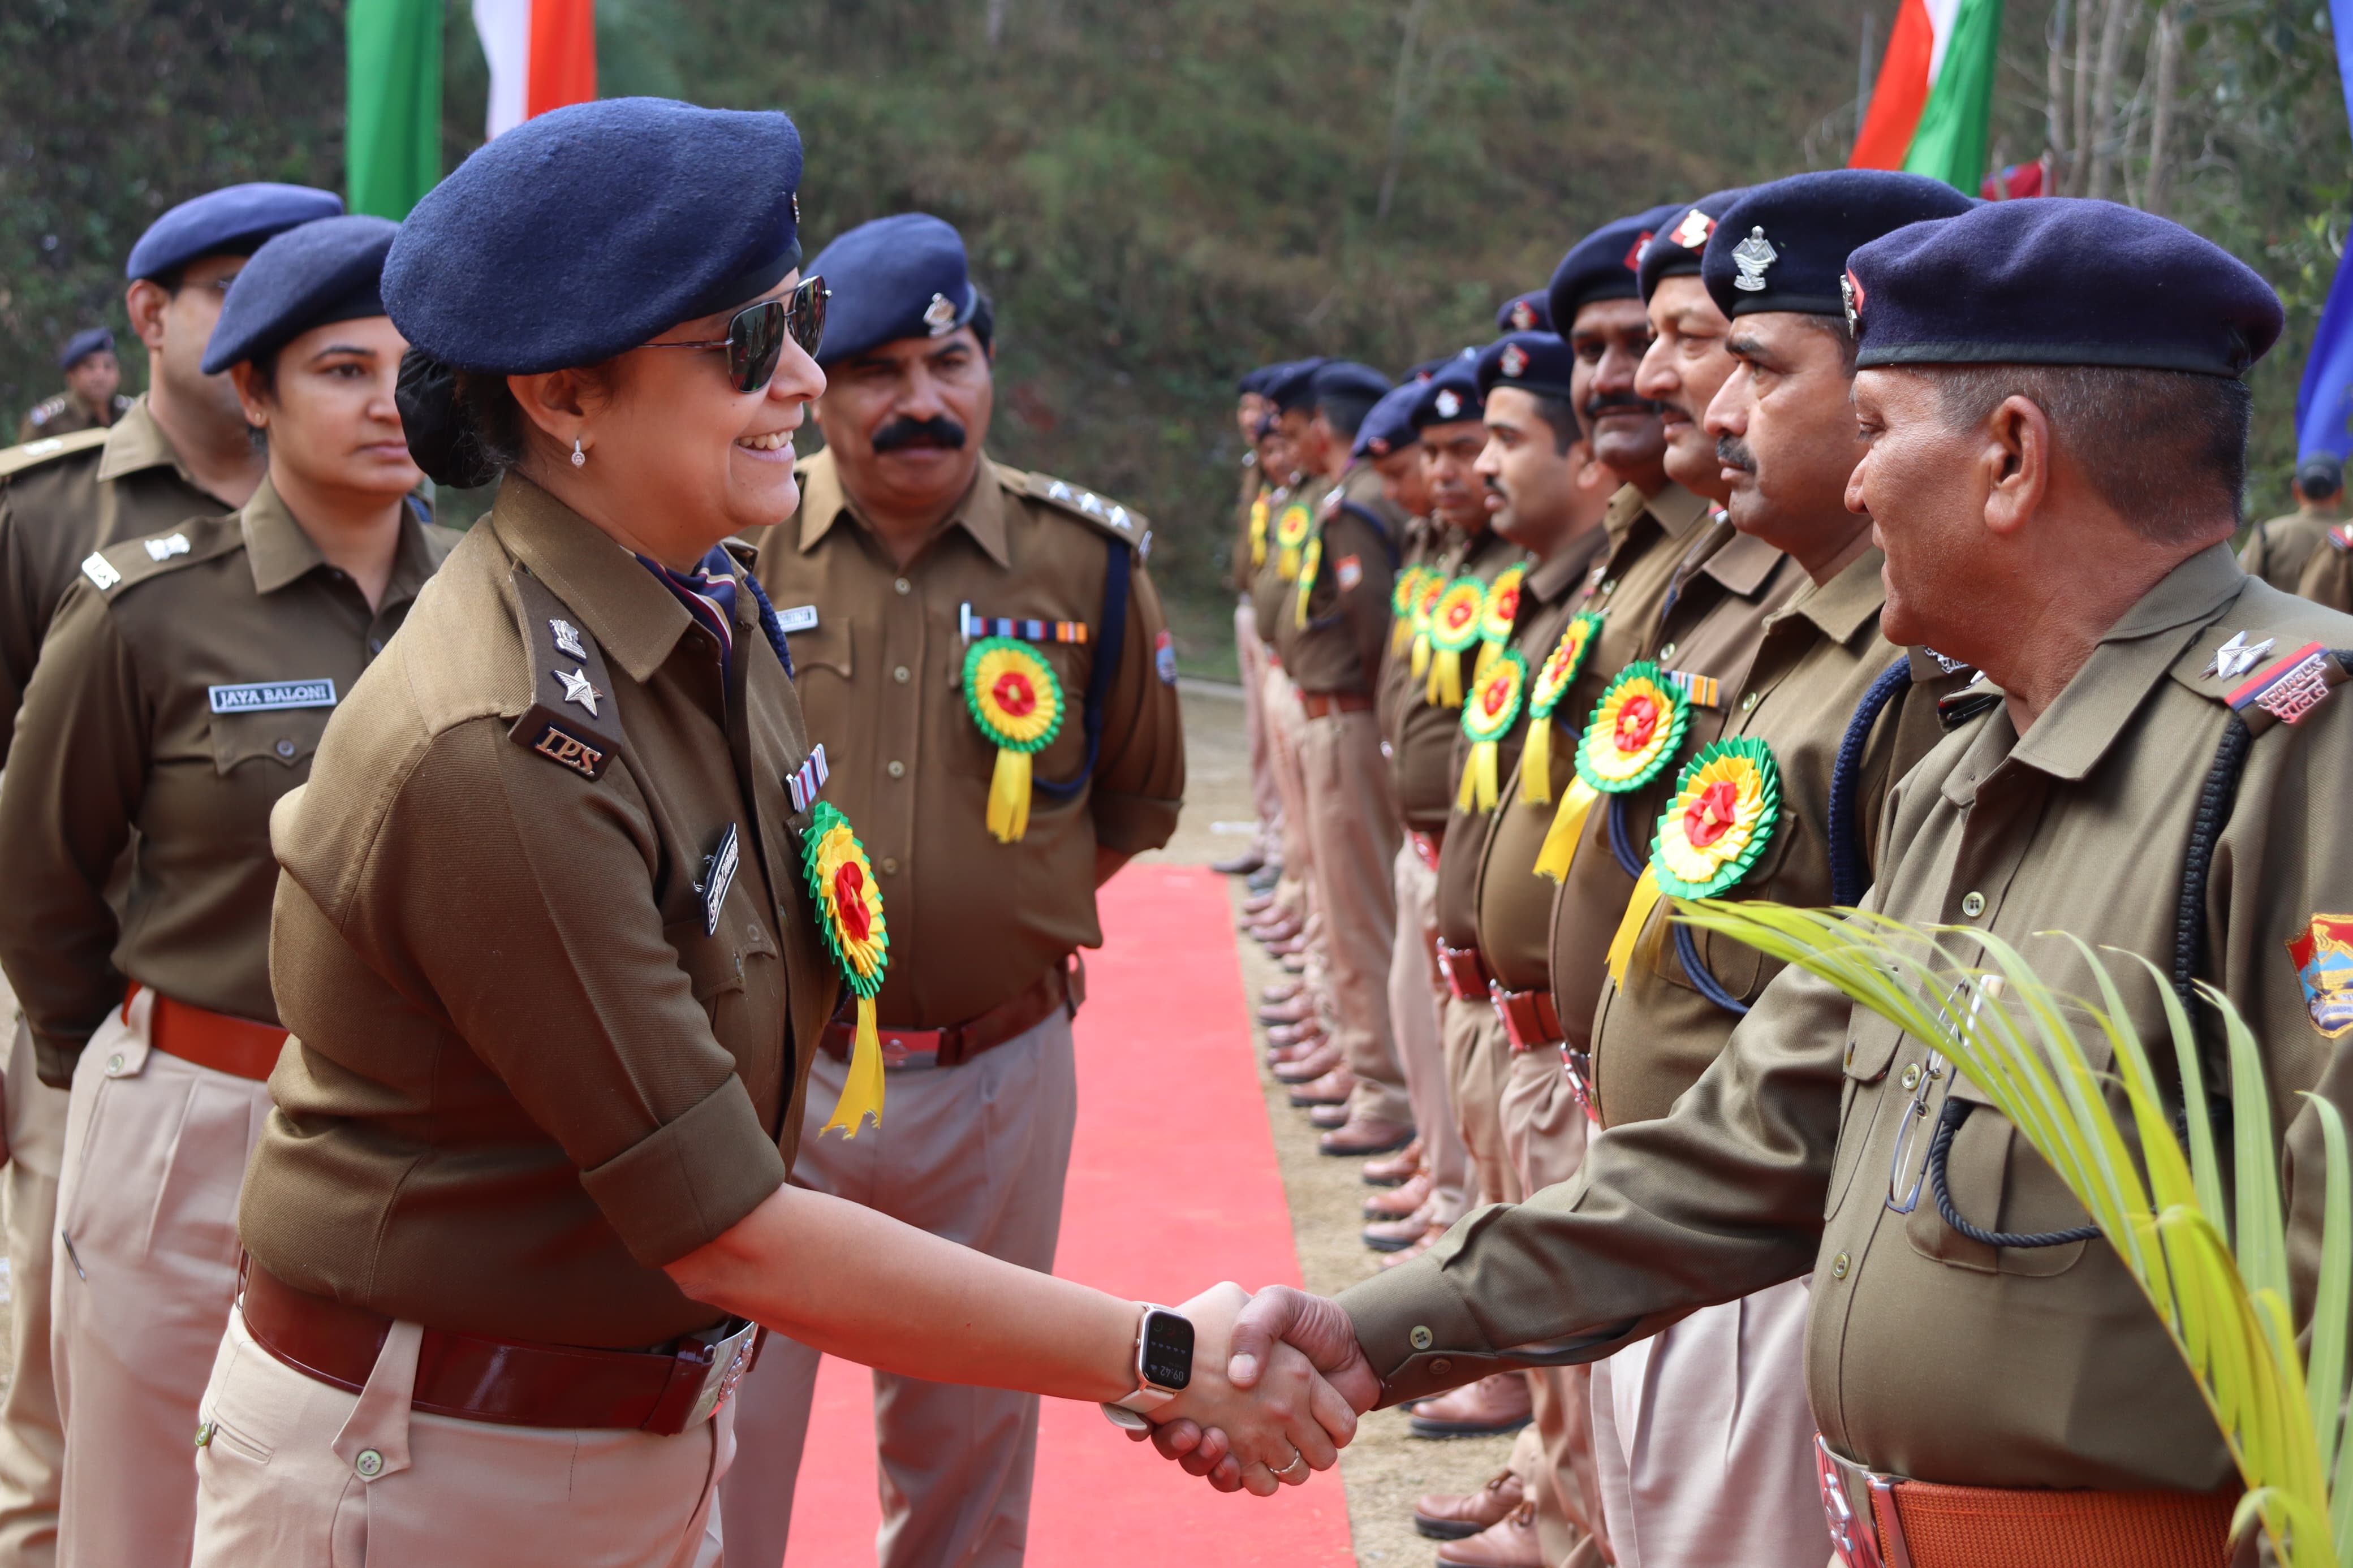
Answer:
(1753, 256)
(1513, 361)
(1524, 316)
(1692, 232)
(1447, 404)
(940, 315)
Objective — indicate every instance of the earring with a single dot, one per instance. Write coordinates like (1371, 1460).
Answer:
(579, 457)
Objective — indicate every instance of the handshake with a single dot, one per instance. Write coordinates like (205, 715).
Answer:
(1278, 1382)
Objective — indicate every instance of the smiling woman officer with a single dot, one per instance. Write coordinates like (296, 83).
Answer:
(181, 692)
(560, 926)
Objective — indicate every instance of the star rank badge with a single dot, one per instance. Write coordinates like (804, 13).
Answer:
(577, 688)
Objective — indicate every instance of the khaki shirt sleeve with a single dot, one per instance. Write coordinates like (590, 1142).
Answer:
(554, 967)
(21, 618)
(65, 811)
(1139, 778)
(1721, 1198)
(1366, 604)
(2328, 578)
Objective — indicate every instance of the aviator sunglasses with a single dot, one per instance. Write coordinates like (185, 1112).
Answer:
(756, 337)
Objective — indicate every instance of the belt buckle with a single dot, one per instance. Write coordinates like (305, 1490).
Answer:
(1849, 1493)
(1574, 1064)
(1496, 998)
(731, 1358)
(898, 1058)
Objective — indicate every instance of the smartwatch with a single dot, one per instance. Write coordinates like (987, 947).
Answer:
(1164, 1366)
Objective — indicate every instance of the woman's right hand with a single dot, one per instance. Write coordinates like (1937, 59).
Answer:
(1290, 1423)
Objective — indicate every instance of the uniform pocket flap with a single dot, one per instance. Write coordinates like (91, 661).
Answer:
(713, 963)
(288, 739)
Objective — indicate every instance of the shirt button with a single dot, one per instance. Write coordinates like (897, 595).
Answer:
(1666, 653)
(204, 1435)
(1973, 904)
(903, 587)
(903, 674)
(1912, 1076)
(1839, 1266)
(285, 747)
(1442, 1366)
(751, 930)
(376, 644)
(1748, 704)
(370, 1464)
(897, 770)
(889, 865)
(1420, 1339)
(114, 1063)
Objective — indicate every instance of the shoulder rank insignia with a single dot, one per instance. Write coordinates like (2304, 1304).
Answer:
(563, 724)
(1085, 502)
(163, 548)
(2341, 536)
(2287, 689)
(100, 570)
(2237, 657)
(2323, 957)
(1753, 256)
(567, 638)
(1164, 656)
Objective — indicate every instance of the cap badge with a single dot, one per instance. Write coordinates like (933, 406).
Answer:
(1515, 361)
(2237, 657)
(1524, 316)
(1378, 446)
(1447, 404)
(1633, 262)
(940, 316)
(1753, 256)
(1692, 232)
(1851, 296)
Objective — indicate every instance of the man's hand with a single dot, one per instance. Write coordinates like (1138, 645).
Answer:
(1278, 1326)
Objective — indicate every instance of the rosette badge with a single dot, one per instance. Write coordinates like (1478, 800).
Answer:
(1493, 708)
(848, 901)
(1726, 807)
(1553, 679)
(1404, 594)
(1425, 616)
(1311, 562)
(1497, 612)
(1016, 701)
(1258, 524)
(1292, 527)
(1633, 734)
(1453, 627)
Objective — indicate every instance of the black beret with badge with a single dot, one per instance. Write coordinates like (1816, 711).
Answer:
(1605, 265)
(1292, 387)
(2058, 280)
(905, 276)
(1539, 362)
(1450, 396)
(84, 344)
(231, 221)
(1528, 312)
(1675, 250)
(1387, 425)
(1430, 367)
(1784, 245)
(330, 270)
(1342, 380)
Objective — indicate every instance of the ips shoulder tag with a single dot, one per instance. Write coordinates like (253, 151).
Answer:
(566, 722)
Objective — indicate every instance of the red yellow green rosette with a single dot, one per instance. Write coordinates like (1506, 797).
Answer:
(1404, 593)
(1633, 734)
(1016, 701)
(1258, 522)
(1496, 613)
(848, 900)
(1292, 527)
(1553, 679)
(1493, 708)
(1726, 807)
(1453, 627)
(1311, 562)
(1425, 613)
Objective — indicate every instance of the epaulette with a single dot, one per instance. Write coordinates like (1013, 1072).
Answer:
(47, 410)
(1107, 515)
(570, 721)
(33, 454)
(2341, 536)
(125, 566)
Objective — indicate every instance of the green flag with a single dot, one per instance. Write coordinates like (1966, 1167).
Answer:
(392, 140)
(1950, 143)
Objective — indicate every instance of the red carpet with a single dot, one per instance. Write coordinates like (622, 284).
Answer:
(1164, 1066)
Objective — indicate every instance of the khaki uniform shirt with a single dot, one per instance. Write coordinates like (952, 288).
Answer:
(1414, 735)
(1273, 594)
(57, 503)
(63, 414)
(1929, 1355)
(534, 1059)
(1641, 543)
(1460, 837)
(2327, 577)
(182, 691)
(974, 922)
(2278, 551)
(1652, 1038)
(1239, 570)
(1340, 647)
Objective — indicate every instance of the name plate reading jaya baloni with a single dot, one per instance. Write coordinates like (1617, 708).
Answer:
(264, 696)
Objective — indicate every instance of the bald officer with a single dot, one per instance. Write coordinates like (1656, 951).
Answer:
(180, 450)
(926, 590)
(2132, 674)
(92, 399)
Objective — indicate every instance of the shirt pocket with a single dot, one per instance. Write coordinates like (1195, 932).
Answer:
(973, 754)
(1997, 1182)
(826, 647)
(285, 739)
(1870, 1053)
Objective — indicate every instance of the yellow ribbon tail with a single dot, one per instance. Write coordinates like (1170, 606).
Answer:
(1400, 635)
(1287, 564)
(1536, 763)
(1482, 772)
(1446, 680)
(1299, 615)
(1567, 826)
(1488, 654)
(1638, 914)
(862, 1094)
(1258, 553)
(1009, 795)
(1467, 792)
(1421, 665)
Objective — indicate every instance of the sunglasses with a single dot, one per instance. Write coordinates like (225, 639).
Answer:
(756, 337)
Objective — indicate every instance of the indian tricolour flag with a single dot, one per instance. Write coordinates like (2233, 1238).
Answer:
(541, 54)
(1929, 113)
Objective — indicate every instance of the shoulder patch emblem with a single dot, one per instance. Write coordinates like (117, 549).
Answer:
(100, 570)
(2288, 688)
(1350, 570)
(2341, 536)
(1164, 657)
(2323, 957)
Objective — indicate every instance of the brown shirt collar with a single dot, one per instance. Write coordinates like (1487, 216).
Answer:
(1743, 564)
(1675, 509)
(137, 442)
(1848, 602)
(1564, 567)
(279, 550)
(981, 512)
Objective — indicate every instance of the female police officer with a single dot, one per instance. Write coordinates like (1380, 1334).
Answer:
(549, 947)
(181, 692)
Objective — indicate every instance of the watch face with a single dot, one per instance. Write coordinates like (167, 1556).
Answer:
(1168, 1350)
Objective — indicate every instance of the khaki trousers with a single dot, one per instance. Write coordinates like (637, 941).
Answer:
(1705, 1440)
(1477, 1060)
(1353, 828)
(977, 1153)
(1264, 798)
(295, 1473)
(1286, 725)
(155, 1151)
(1417, 1002)
(32, 1434)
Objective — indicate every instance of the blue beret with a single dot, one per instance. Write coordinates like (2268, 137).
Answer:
(1604, 265)
(1528, 312)
(1451, 396)
(1348, 381)
(1389, 425)
(332, 270)
(1292, 387)
(1783, 247)
(1674, 251)
(898, 276)
(594, 228)
(2058, 280)
(82, 344)
(1430, 367)
(1255, 381)
(231, 221)
(1533, 362)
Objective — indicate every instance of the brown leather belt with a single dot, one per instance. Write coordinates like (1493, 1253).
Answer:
(1888, 1522)
(1529, 1017)
(238, 1047)
(957, 1044)
(1320, 704)
(1466, 973)
(512, 1383)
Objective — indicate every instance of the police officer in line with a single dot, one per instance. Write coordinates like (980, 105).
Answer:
(944, 609)
(2328, 574)
(564, 910)
(1252, 410)
(2130, 670)
(182, 691)
(2278, 550)
(92, 399)
(180, 450)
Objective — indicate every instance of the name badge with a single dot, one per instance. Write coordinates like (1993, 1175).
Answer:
(718, 876)
(799, 619)
(268, 696)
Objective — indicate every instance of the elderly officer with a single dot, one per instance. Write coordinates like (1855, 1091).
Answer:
(2057, 517)
(92, 399)
(2279, 549)
(181, 450)
(983, 660)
